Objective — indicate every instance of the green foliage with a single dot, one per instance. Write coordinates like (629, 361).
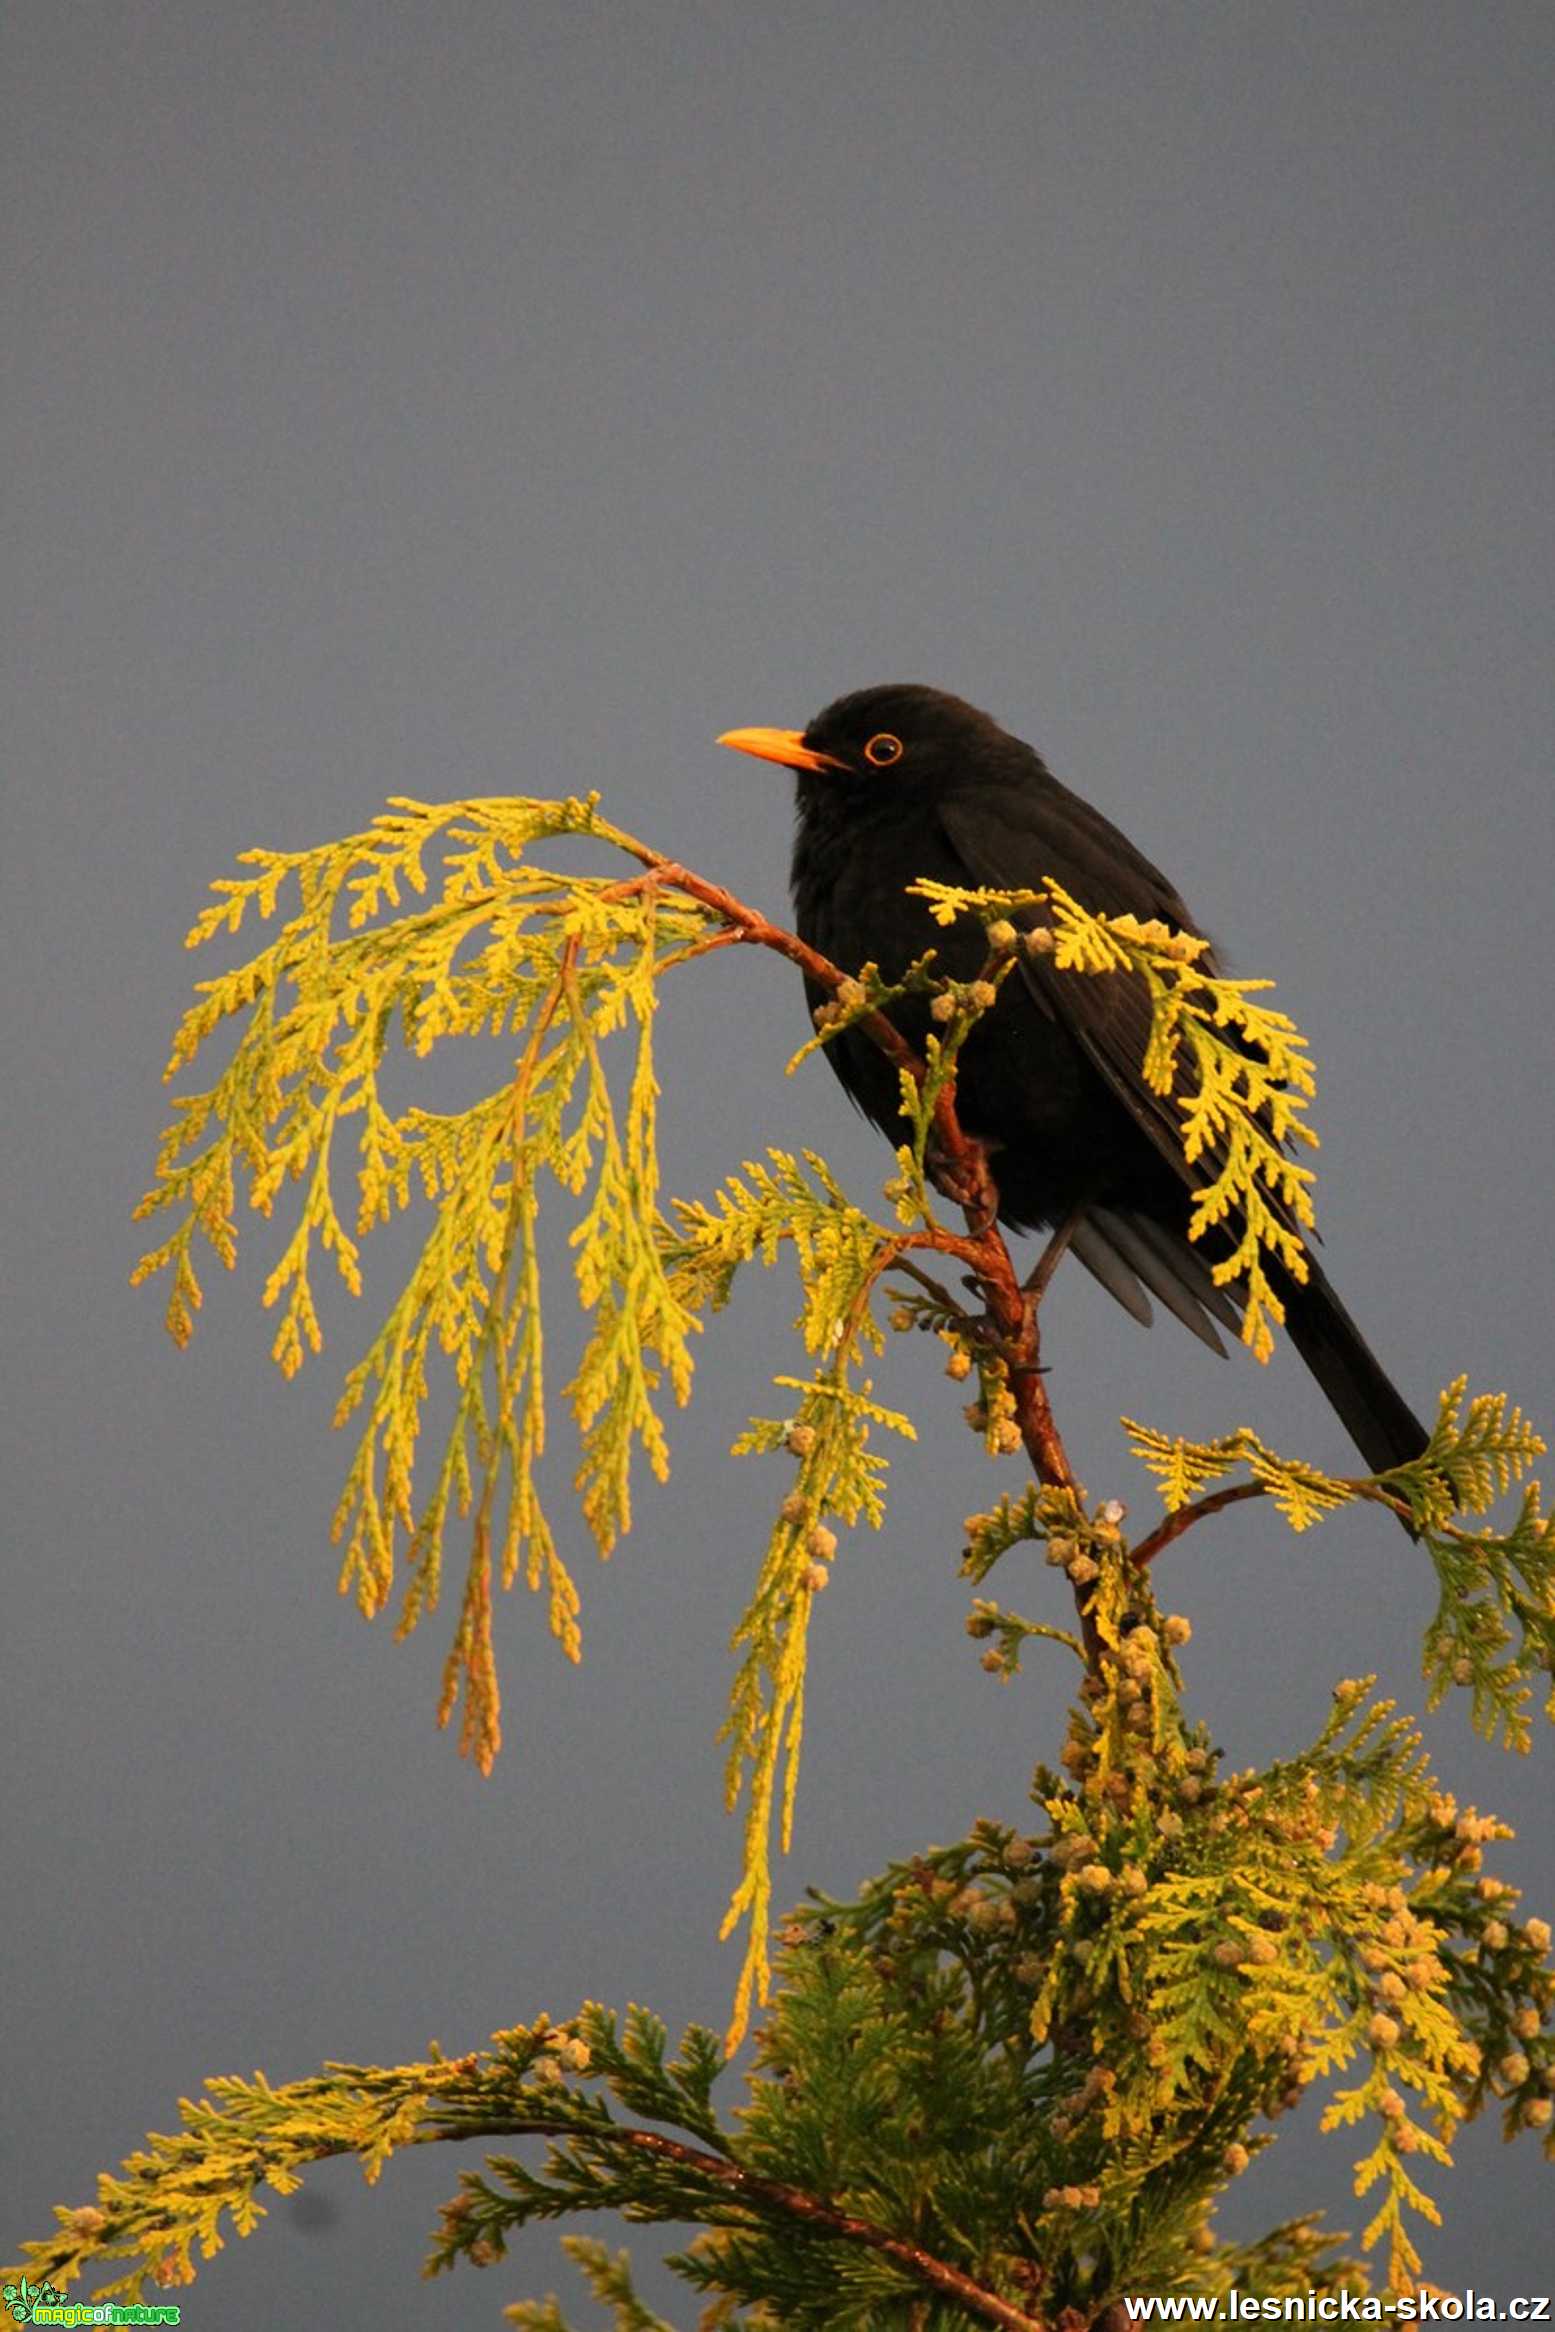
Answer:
(177, 2200)
(1012, 2078)
(609, 2278)
(1494, 1628)
(1073, 1541)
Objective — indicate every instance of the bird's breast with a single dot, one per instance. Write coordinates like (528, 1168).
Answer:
(851, 898)
(1022, 1083)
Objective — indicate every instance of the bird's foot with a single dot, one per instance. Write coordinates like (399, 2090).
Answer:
(1018, 1352)
(967, 1182)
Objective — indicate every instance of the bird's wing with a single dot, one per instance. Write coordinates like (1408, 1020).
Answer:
(1012, 841)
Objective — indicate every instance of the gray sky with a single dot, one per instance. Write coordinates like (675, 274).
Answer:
(482, 398)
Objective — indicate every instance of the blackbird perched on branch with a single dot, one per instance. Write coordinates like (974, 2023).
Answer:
(899, 783)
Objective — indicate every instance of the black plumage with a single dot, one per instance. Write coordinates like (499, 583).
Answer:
(897, 783)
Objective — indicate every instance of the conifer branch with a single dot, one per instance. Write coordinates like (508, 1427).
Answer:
(1097, 2015)
(1018, 2068)
(782, 2202)
(1186, 1516)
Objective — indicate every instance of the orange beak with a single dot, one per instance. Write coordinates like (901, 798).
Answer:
(784, 745)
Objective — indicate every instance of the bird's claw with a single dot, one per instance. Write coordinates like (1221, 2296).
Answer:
(968, 1184)
(985, 1330)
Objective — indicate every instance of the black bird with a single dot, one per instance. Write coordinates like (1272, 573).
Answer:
(898, 783)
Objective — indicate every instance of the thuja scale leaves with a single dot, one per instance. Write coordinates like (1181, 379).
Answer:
(561, 963)
(1008, 2082)
(1016, 2073)
(1239, 1068)
(1494, 1629)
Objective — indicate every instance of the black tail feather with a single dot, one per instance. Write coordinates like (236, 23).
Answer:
(1372, 1411)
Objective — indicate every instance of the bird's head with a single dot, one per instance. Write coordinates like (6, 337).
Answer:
(909, 740)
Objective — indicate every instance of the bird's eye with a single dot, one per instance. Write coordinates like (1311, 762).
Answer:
(881, 751)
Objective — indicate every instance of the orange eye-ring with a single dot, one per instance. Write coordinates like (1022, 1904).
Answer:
(881, 751)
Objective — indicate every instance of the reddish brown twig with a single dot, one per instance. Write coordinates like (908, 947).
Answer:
(937, 2274)
(750, 926)
(1186, 1516)
(961, 1165)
